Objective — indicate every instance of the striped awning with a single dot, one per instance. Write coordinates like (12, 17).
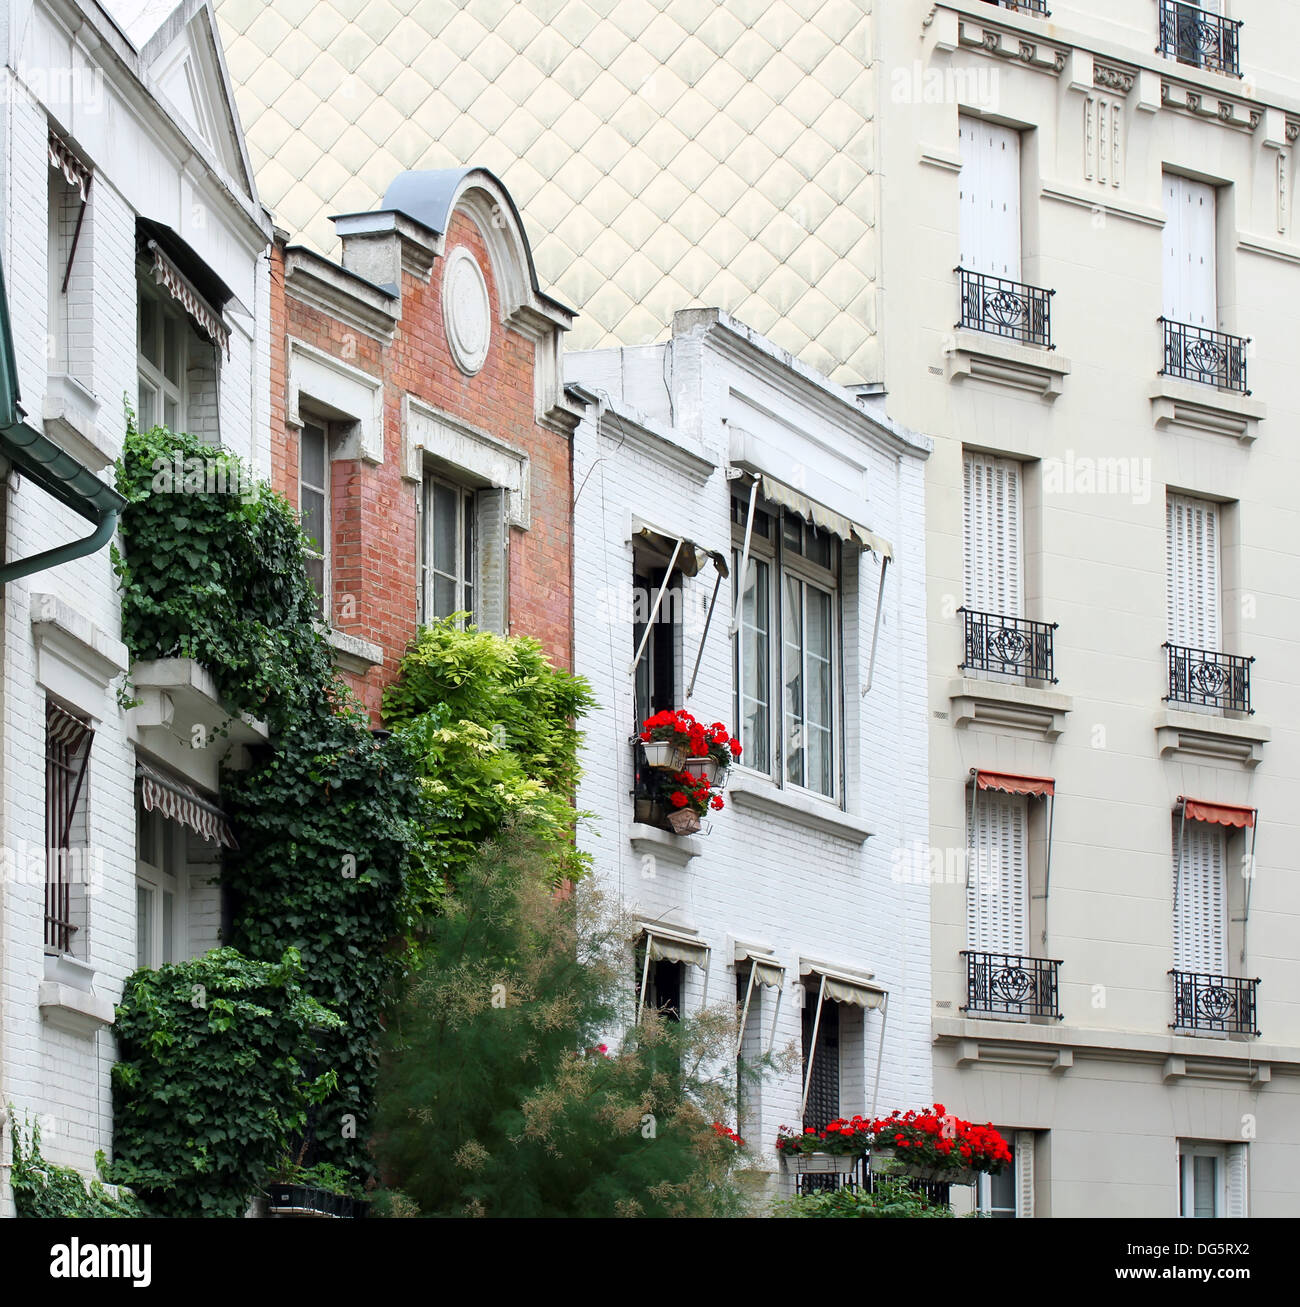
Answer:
(62, 158)
(182, 803)
(767, 970)
(65, 730)
(664, 945)
(1011, 783)
(1219, 814)
(184, 292)
(852, 988)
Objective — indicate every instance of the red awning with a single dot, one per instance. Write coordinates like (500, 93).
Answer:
(1222, 814)
(1009, 783)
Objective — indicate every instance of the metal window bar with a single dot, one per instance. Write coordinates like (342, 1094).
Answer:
(1012, 984)
(1038, 7)
(1226, 1004)
(1006, 308)
(1212, 358)
(1193, 35)
(67, 747)
(1202, 676)
(1013, 646)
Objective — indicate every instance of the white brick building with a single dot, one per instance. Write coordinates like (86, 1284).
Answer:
(798, 874)
(133, 248)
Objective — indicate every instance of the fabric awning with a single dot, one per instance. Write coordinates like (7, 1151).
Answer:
(841, 986)
(76, 172)
(691, 557)
(1222, 814)
(181, 803)
(63, 729)
(1010, 783)
(767, 970)
(187, 295)
(664, 945)
(827, 519)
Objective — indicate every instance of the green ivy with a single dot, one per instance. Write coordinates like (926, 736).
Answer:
(42, 1189)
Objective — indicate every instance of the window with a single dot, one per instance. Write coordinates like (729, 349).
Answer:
(67, 750)
(823, 1101)
(993, 570)
(161, 362)
(656, 671)
(1009, 1194)
(787, 649)
(1200, 897)
(1192, 534)
(314, 505)
(1212, 1179)
(70, 318)
(158, 904)
(1190, 284)
(448, 557)
(1196, 32)
(989, 225)
(997, 882)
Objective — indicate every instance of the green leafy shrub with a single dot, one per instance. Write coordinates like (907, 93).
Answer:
(210, 1084)
(892, 1196)
(42, 1189)
(490, 721)
(495, 1096)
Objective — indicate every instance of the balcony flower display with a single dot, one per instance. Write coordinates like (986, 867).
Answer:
(934, 1145)
(688, 798)
(834, 1149)
(674, 739)
(720, 750)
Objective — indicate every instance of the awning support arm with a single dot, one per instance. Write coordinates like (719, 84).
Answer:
(1178, 871)
(1047, 873)
(695, 671)
(875, 630)
(76, 236)
(645, 980)
(654, 611)
(776, 1012)
(1250, 884)
(744, 1015)
(880, 1053)
(812, 1050)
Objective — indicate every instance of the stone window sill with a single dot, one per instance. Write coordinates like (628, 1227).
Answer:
(353, 654)
(1176, 403)
(1203, 735)
(748, 790)
(979, 356)
(1015, 707)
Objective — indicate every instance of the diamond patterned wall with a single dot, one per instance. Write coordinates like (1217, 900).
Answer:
(664, 153)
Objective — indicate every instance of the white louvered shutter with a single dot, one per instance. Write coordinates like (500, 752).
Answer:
(997, 887)
(1024, 1163)
(989, 215)
(1201, 899)
(1190, 281)
(991, 511)
(1236, 1186)
(492, 579)
(1192, 574)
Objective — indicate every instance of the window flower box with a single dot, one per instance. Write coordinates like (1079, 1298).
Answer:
(707, 767)
(884, 1160)
(665, 755)
(684, 821)
(821, 1163)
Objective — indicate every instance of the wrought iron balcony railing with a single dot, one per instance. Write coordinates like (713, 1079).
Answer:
(1226, 1004)
(1013, 646)
(1202, 676)
(1010, 984)
(1025, 6)
(1006, 308)
(1195, 36)
(1211, 357)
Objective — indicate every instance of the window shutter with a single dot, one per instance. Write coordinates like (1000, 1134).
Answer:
(1024, 1164)
(1190, 281)
(997, 886)
(492, 590)
(989, 214)
(1236, 1181)
(1192, 574)
(1201, 898)
(991, 504)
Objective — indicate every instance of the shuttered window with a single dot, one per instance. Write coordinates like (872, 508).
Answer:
(991, 497)
(989, 221)
(997, 887)
(1192, 573)
(1200, 898)
(1010, 1194)
(1212, 1180)
(1190, 285)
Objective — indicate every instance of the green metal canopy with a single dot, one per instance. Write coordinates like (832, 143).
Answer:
(38, 457)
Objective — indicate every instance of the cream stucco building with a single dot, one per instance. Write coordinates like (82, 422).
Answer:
(1113, 610)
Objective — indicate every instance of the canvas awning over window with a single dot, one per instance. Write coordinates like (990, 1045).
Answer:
(664, 945)
(179, 802)
(840, 986)
(690, 558)
(76, 172)
(766, 970)
(183, 291)
(826, 519)
(1011, 783)
(1222, 814)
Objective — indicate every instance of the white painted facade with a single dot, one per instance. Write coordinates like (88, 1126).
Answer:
(145, 107)
(794, 876)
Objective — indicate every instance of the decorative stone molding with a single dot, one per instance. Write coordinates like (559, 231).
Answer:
(1114, 79)
(70, 412)
(652, 842)
(75, 660)
(1005, 44)
(1176, 403)
(1201, 735)
(1008, 706)
(352, 653)
(1232, 113)
(341, 294)
(73, 1011)
(466, 311)
(340, 393)
(977, 356)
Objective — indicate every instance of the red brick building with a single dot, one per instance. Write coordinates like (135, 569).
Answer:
(419, 423)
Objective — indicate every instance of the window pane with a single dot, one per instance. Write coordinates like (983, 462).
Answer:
(313, 519)
(171, 414)
(469, 557)
(311, 471)
(316, 574)
(149, 329)
(146, 406)
(792, 533)
(819, 547)
(171, 332)
(143, 925)
(1002, 1193)
(792, 672)
(755, 675)
(819, 692)
(168, 924)
(444, 596)
(1206, 1180)
(444, 530)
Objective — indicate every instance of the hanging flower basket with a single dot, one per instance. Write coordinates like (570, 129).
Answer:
(665, 755)
(886, 1161)
(821, 1163)
(650, 812)
(684, 821)
(707, 767)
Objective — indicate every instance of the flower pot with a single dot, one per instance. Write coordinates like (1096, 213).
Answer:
(664, 755)
(684, 821)
(706, 767)
(886, 1161)
(650, 812)
(821, 1163)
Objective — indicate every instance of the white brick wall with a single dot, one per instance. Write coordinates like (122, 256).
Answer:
(762, 878)
(59, 1078)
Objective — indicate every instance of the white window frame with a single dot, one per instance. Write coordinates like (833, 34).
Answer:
(159, 870)
(152, 372)
(1194, 594)
(1187, 1153)
(326, 554)
(1189, 949)
(466, 574)
(781, 561)
(989, 187)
